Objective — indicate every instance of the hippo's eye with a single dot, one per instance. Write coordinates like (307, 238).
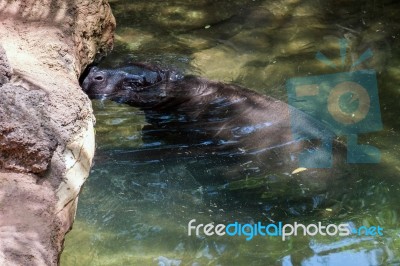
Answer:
(99, 78)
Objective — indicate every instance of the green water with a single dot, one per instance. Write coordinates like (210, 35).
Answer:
(136, 212)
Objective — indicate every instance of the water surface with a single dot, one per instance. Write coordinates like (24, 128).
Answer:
(136, 212)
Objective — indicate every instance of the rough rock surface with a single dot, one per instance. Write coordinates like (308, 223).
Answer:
(46, 121)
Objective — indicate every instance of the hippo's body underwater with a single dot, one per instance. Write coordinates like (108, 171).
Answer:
(249, 132)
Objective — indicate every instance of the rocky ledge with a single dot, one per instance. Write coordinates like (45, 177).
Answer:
(46, 121)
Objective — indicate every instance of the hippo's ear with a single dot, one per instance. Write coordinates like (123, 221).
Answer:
(134, 81)
(174, 76)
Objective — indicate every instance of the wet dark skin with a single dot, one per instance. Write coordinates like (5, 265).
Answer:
(250, 134)
(224, 115)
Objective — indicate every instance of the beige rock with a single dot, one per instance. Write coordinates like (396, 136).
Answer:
(46, 121)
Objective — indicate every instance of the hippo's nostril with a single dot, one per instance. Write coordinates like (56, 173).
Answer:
(99, 78)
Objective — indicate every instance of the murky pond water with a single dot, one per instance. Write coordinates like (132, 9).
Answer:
(135, 211)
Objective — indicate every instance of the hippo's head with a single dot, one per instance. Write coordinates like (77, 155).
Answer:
(137, 85)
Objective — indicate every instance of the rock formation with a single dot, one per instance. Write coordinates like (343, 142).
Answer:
(46, 121)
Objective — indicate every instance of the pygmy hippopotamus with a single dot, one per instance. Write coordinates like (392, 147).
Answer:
(250, 132)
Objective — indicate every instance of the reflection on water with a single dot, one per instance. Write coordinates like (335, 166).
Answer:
(135, 212)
